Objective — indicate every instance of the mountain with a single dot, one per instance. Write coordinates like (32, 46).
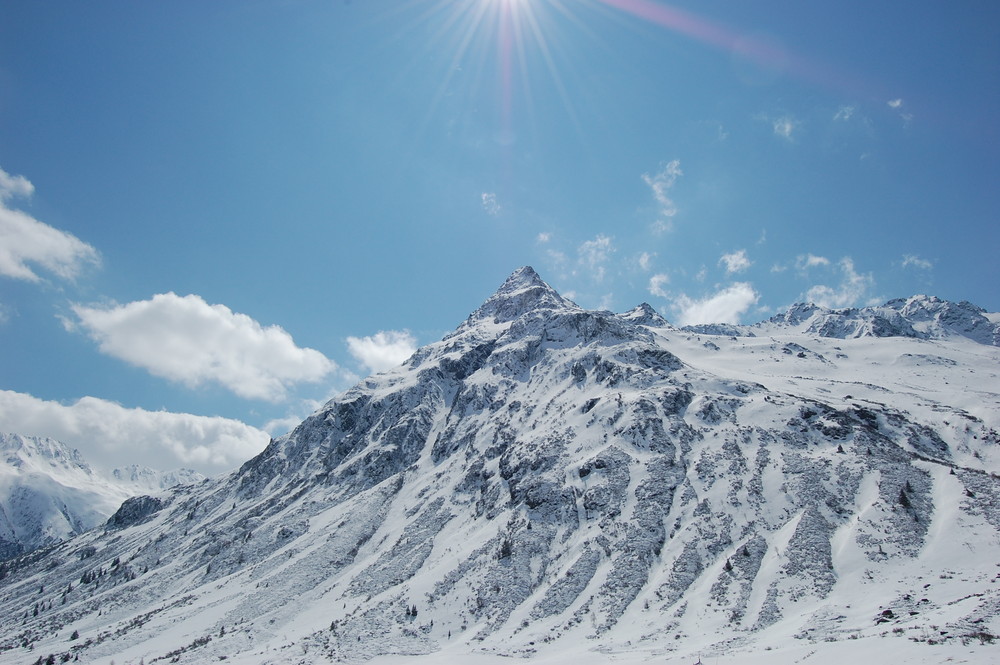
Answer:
(573, 485)
(48, 492)
(921, 317)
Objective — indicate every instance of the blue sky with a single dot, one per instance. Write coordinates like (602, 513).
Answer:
(215, 216)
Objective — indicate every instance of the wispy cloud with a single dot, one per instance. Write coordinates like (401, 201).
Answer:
(113, 435)
(660, 184)
(645, 260)
(26, 242)
(914, 261)
(852, 289)
(786, 127)
(899, 106)
(806, 261)
(594, 254)
(490, 203)
(845, 113)
(735, 262)
(724, 306)
(184, 339)
(383, 350)
(656, 284)
(543, 238)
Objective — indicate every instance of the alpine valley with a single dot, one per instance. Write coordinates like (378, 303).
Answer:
(578, 486)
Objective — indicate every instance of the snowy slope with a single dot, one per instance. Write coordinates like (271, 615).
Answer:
(548, 480)
(48, 492)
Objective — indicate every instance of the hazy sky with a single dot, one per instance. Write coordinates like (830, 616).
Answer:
(216, 215)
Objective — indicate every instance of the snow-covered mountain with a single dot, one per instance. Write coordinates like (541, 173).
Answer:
(576, 486)
(48, 492)
(923, 317)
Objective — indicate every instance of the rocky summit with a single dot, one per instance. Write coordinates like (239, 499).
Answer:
(548, 480)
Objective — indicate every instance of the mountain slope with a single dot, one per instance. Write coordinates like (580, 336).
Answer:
(48, 492)
(548, 478)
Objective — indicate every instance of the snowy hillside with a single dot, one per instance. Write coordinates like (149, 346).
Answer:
(559, 483)
(48, 492)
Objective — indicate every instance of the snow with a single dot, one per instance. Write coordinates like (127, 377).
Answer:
(583, 487)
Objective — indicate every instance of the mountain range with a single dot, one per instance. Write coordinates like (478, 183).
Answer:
(49, 493)
(578, 486)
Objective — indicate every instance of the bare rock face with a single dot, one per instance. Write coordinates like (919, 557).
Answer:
(134, 511)
(547, 477)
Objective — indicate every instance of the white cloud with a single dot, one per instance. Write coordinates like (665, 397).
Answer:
(24, 240)
(725, 306)
(845, 113)
(895, 103)
(852, 288)
(656, 284)
(383, 350)
(557, 257)
(593, 254)
(14, 185)
(805, 261)
(646, 260)
(911, 260)
(112, 435)
(736, 261)
(187, 340)
(543, 238)
(490, 204)
(785, 127)
(660, 184)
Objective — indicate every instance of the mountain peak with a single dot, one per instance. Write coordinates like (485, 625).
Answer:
(522, 292)
(645, 315)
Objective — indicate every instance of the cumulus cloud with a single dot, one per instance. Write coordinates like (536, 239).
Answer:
(27, 244)
(14, 185)
(594, 254)
(660, 184)
(724, 306)
(735, 262)
(490, 204)
(184, 339)
(656, 284)
(383, 350)
(853, 287)
(112, 435)
(913, 261)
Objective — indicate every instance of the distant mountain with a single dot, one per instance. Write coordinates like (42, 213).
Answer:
(48, 492)
(552, 482)
(920, 317)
